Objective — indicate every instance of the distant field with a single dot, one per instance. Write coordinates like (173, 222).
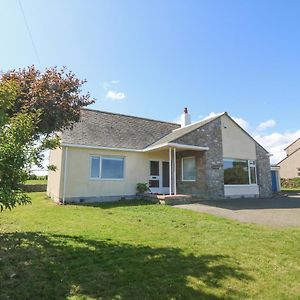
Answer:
(36, 181)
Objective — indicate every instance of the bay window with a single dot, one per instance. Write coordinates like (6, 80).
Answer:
(239, 172)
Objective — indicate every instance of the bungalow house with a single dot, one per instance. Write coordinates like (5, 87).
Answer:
(106, 154)
(290, 165)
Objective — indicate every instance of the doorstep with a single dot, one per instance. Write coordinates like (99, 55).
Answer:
(171, 199)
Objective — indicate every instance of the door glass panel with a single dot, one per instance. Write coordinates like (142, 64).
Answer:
(166, 175)
(153, 183)
(154, 168)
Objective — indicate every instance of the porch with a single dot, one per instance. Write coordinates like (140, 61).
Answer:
(179, 176)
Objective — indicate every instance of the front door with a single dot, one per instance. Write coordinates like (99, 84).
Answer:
(159, 177)
(154, 176)
(274, 181)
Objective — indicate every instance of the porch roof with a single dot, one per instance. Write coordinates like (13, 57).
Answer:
(165, 146)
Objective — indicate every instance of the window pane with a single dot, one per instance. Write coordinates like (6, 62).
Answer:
(154, 168)
(112, 168)
(95, 167)
(253, 175)
(236, 172)
(189, 168)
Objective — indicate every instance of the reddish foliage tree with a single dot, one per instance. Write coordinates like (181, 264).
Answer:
(55, 93)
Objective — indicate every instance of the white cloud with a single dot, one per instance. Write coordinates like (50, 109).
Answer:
(109, 84)
(243, 123)
(111, 93)
(266, 124)
(114, 95)
(177, 120)
(276, 142)
(210, 115)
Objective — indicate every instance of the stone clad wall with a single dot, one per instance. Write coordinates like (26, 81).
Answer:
(263, 172)
(209, 164)
(198, 187)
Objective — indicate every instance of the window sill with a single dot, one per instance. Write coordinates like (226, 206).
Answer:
(238, 185)
(194, 180)
(106, 179)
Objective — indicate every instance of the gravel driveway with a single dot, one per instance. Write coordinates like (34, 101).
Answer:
(280, 211)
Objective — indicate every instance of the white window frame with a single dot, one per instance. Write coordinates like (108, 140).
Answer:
(100, 167)
(188, 180)
(251, 165)
(249, 174)
(298, 172)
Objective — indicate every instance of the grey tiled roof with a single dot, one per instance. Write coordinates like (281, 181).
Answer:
(105, 129)
(98, 128)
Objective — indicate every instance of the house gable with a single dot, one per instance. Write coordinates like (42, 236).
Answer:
(292, 147)
(236, 142)
(177, 135)
(209, 163)
(289, 165)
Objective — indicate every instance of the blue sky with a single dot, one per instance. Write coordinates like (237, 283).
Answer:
(152, 58)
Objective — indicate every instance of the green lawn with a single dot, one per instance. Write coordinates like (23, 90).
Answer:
(140, 251)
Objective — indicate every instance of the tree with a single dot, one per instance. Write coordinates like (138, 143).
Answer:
(57, 94)
(16, 145)
(33, 106)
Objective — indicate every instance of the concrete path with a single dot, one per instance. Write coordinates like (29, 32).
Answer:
(280, 211)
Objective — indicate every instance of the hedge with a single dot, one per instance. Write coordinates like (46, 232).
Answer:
(291, 183)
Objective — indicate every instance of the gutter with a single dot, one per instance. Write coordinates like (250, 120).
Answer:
(101, 147)
(170, 144)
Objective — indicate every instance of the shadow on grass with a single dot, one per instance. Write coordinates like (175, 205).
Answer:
(114, 204)
(37, 266)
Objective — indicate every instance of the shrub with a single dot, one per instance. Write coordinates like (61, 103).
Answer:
(290, 183)
(32, 177)
(142, 187)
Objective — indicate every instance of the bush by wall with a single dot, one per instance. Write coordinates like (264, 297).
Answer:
(292, 183)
